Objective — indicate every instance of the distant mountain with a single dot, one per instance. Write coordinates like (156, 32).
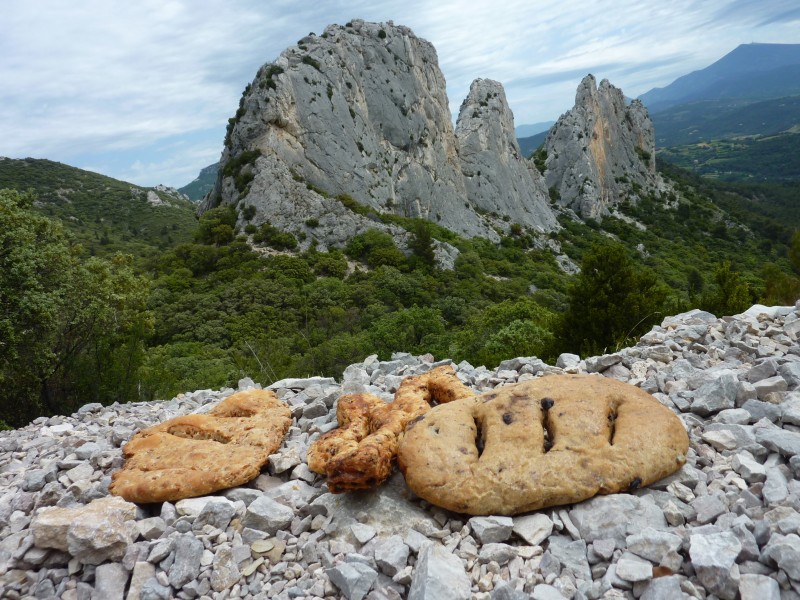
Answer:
(528, 145)
(204, 183)
(751, 72)
(523, 131)
(737, 119)
(105, 215)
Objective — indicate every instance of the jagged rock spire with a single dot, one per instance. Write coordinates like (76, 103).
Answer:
(601, 152)
(498, 178)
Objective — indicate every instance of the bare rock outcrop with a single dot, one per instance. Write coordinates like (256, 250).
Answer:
(498, 179)
(601, 152)
(360, 112)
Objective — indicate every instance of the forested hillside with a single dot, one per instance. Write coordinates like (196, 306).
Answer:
(232, 303)
(105, 215)
(774, 158)
(725, 119)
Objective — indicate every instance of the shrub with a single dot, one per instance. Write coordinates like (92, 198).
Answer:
(505, 330)
(236, 168)
(539, 159)
(413, 328)
(376, 248)
(290, 267)
(275, 238)
(307, 60)
(268, 80)
(330, 264)
(216, 226)
(349, 202)
(249, 212)
(610, 300)
(643, 154)
(731, 293)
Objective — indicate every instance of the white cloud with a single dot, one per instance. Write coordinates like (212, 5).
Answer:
(114, 79)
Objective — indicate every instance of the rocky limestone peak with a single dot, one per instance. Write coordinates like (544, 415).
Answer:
(601, 152)
(361, 112)
(498, 179)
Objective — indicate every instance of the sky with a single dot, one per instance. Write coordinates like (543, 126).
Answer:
(142, 91)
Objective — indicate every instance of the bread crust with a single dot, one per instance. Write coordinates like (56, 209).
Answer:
(195, 455)
(360, 453)
(554, 440)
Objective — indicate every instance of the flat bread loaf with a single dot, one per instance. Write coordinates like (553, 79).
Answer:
(195, 455)
(554, 440)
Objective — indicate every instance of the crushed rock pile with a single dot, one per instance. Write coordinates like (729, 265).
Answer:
(727, 525)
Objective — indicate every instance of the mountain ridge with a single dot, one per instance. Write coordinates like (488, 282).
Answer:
(104, 214)
(361, 111)
(776, 65)
(201, 185)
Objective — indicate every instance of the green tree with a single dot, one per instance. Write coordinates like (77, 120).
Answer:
(413, 329)
(505, 330)
(695, 282)
(181, 366)
(794, 252)
(730, 295)
(217, 226)
(422, 245)
(611, 300)
(71, 331)
(779, 287)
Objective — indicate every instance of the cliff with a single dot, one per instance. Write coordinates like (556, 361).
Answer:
(497, 178)
(361, 112)
(601, 152)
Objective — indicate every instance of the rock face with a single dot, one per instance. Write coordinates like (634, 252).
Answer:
(361, 112)
(497, 177)
(601, 152)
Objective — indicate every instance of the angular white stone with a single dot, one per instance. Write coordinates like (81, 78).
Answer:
(92, 533)
(534, 528)
(439, 575)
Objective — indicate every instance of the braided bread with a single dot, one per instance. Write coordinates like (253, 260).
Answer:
(360, 453)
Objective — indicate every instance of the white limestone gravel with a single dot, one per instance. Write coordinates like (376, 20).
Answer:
(727, 525)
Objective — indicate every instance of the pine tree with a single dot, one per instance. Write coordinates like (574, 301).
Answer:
(611, 300)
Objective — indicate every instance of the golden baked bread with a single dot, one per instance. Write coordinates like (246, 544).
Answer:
(554, 440)
(360, 453)
(195, 455)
